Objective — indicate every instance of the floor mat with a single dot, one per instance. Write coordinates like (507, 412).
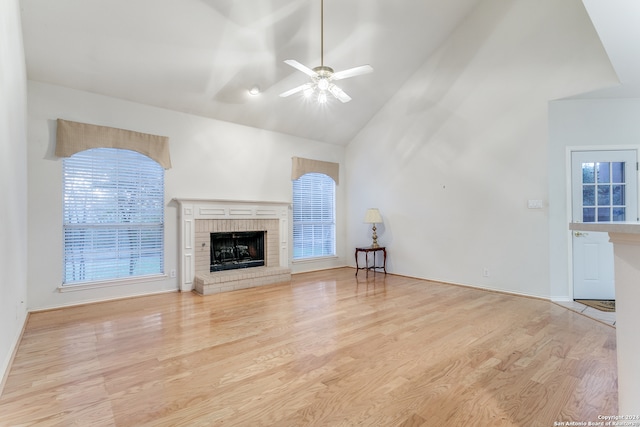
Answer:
(602, 305)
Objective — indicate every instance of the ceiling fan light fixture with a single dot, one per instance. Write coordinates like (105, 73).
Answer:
(255, 90)
(322, 77)
(308, 91)
(323, 83)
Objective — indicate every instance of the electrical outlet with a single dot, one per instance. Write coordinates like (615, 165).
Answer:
(173, 273)
(485, 272)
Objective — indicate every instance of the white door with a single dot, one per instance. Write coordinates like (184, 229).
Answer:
(604, 189)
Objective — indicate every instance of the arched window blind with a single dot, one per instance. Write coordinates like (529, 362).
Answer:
(113, 215)
(314, 224)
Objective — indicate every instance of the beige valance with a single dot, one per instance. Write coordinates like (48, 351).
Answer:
(300, 166)
(73, 137)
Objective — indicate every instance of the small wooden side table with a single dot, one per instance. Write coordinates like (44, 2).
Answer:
(373, 267)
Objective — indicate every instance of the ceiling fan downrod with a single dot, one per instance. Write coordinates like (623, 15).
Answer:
(322, 33)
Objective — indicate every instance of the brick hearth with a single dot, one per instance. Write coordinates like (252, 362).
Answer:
(231, 280)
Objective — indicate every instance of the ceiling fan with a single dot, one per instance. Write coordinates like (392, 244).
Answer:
(322, 77)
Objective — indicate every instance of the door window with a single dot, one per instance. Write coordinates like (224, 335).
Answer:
(603, 192)
(604, 186)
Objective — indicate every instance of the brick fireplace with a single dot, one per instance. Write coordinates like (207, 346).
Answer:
(200, 218)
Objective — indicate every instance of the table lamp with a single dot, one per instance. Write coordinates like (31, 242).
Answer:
(372, 216)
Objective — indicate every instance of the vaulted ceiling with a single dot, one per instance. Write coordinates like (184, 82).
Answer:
(202, 56)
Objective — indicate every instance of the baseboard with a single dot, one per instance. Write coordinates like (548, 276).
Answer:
(7, 368)
(480, 288)
(100, 300)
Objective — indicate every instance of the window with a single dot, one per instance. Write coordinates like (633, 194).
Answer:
(603, 192)
(314, 222)
(113, 215)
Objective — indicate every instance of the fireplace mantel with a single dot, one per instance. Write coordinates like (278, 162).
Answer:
(200, 211)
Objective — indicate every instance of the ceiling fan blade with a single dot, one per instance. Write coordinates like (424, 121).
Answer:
(351, 72)
(339, 93)
(298, 66)
(294, 90)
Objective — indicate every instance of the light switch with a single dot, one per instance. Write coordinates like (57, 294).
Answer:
(534, 204)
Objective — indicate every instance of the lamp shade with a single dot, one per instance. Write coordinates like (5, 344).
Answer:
(372, 216)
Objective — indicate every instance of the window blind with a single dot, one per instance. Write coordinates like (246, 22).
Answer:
(313, 216)
(113, 215)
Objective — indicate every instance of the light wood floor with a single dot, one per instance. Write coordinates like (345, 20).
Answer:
(327, 349)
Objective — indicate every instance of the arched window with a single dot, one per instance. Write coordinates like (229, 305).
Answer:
(113, 215)
(314, 224)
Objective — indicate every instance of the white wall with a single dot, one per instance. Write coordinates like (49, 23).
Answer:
(211, 160)
(13, 176)
(593, 123)
(453, 159)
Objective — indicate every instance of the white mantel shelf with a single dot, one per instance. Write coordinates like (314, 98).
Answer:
(625, 237)
(230, 202)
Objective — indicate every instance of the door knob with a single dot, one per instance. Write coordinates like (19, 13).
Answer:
(580, 234)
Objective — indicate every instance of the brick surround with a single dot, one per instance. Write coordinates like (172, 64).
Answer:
(207, 282)
(204, 228)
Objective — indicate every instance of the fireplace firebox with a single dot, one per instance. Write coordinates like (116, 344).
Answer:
(238, 249)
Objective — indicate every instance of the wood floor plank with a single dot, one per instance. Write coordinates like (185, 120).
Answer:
(329, 348)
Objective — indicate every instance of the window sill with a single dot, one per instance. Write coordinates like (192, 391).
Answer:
(109, 283)
(314, 259)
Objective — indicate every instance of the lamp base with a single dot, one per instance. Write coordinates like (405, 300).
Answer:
(374, 236)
